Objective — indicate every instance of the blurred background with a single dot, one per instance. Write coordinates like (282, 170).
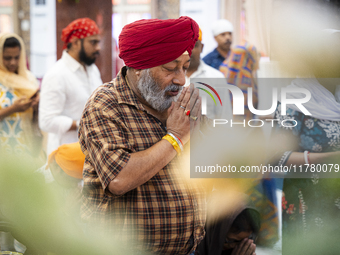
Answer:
(39, 23)
(269, 24)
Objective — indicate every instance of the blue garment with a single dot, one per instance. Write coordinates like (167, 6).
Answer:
(214, 59)
(310, 205)
(13, 137)
(314, 135)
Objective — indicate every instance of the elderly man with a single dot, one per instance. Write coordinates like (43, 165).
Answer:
(222, 30)
(69, 83)
(132, 131)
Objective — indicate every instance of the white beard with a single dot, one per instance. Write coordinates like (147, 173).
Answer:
(153, 94)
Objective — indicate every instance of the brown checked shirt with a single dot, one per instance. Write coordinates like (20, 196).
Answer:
(166, 213)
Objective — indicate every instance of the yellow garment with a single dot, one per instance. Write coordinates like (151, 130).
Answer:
(24, 82)
(200, 35)
(19, 126)
(70, 158)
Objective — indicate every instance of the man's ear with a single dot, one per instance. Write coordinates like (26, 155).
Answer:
(202, 48)
(138, 72)
(75, 43)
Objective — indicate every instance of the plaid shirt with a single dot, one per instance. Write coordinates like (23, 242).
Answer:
(167, 214)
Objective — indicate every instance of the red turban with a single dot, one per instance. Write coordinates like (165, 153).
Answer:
(79, 28)
(148, 43)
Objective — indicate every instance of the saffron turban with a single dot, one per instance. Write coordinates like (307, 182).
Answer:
(79, 28)
(148, 43)
(70, 158)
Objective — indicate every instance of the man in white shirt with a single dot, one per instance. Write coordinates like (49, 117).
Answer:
(69, 83)
(206, 73)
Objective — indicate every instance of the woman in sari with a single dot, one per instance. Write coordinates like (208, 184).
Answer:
(311, 194)
(19, 99)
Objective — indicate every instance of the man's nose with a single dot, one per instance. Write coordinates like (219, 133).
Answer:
(179, 79)
(98, 48)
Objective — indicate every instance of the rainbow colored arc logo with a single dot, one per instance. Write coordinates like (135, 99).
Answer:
(209, 93)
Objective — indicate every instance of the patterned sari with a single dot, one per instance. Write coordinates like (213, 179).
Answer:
(311, 204)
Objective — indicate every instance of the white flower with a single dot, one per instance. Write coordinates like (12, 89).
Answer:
(331, 128)
(309, 123)
(285, 117)
(334, 143)
(317, 147)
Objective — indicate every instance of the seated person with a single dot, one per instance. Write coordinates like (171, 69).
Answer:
(234, 234)
(66, 165)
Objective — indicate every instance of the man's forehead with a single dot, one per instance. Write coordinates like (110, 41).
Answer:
(184, 58)
(93, 37)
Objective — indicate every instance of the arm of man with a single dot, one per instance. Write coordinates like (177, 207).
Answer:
(118, 172)
(148, 162)
(51, 105)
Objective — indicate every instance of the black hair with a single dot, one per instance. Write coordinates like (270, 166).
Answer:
(12, 42)
(247, 220)
(69, 45)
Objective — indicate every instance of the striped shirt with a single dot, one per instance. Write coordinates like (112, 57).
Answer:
(166, 213)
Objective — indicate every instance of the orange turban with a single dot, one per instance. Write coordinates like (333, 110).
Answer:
(148, 43)
(70, 158)
(79, 28)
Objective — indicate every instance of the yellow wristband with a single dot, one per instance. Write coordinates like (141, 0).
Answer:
(173, 142)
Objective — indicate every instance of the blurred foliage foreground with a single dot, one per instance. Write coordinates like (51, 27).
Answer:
(34, 210)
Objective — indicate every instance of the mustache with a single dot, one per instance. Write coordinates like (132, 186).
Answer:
(173, 88)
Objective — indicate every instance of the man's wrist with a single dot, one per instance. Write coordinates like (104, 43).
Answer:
(174, 142)
(177, 139)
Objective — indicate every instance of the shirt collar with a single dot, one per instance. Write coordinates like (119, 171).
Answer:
(219, 54)
(72, 64)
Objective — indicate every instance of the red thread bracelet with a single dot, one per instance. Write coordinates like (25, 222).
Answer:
(179, 140)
